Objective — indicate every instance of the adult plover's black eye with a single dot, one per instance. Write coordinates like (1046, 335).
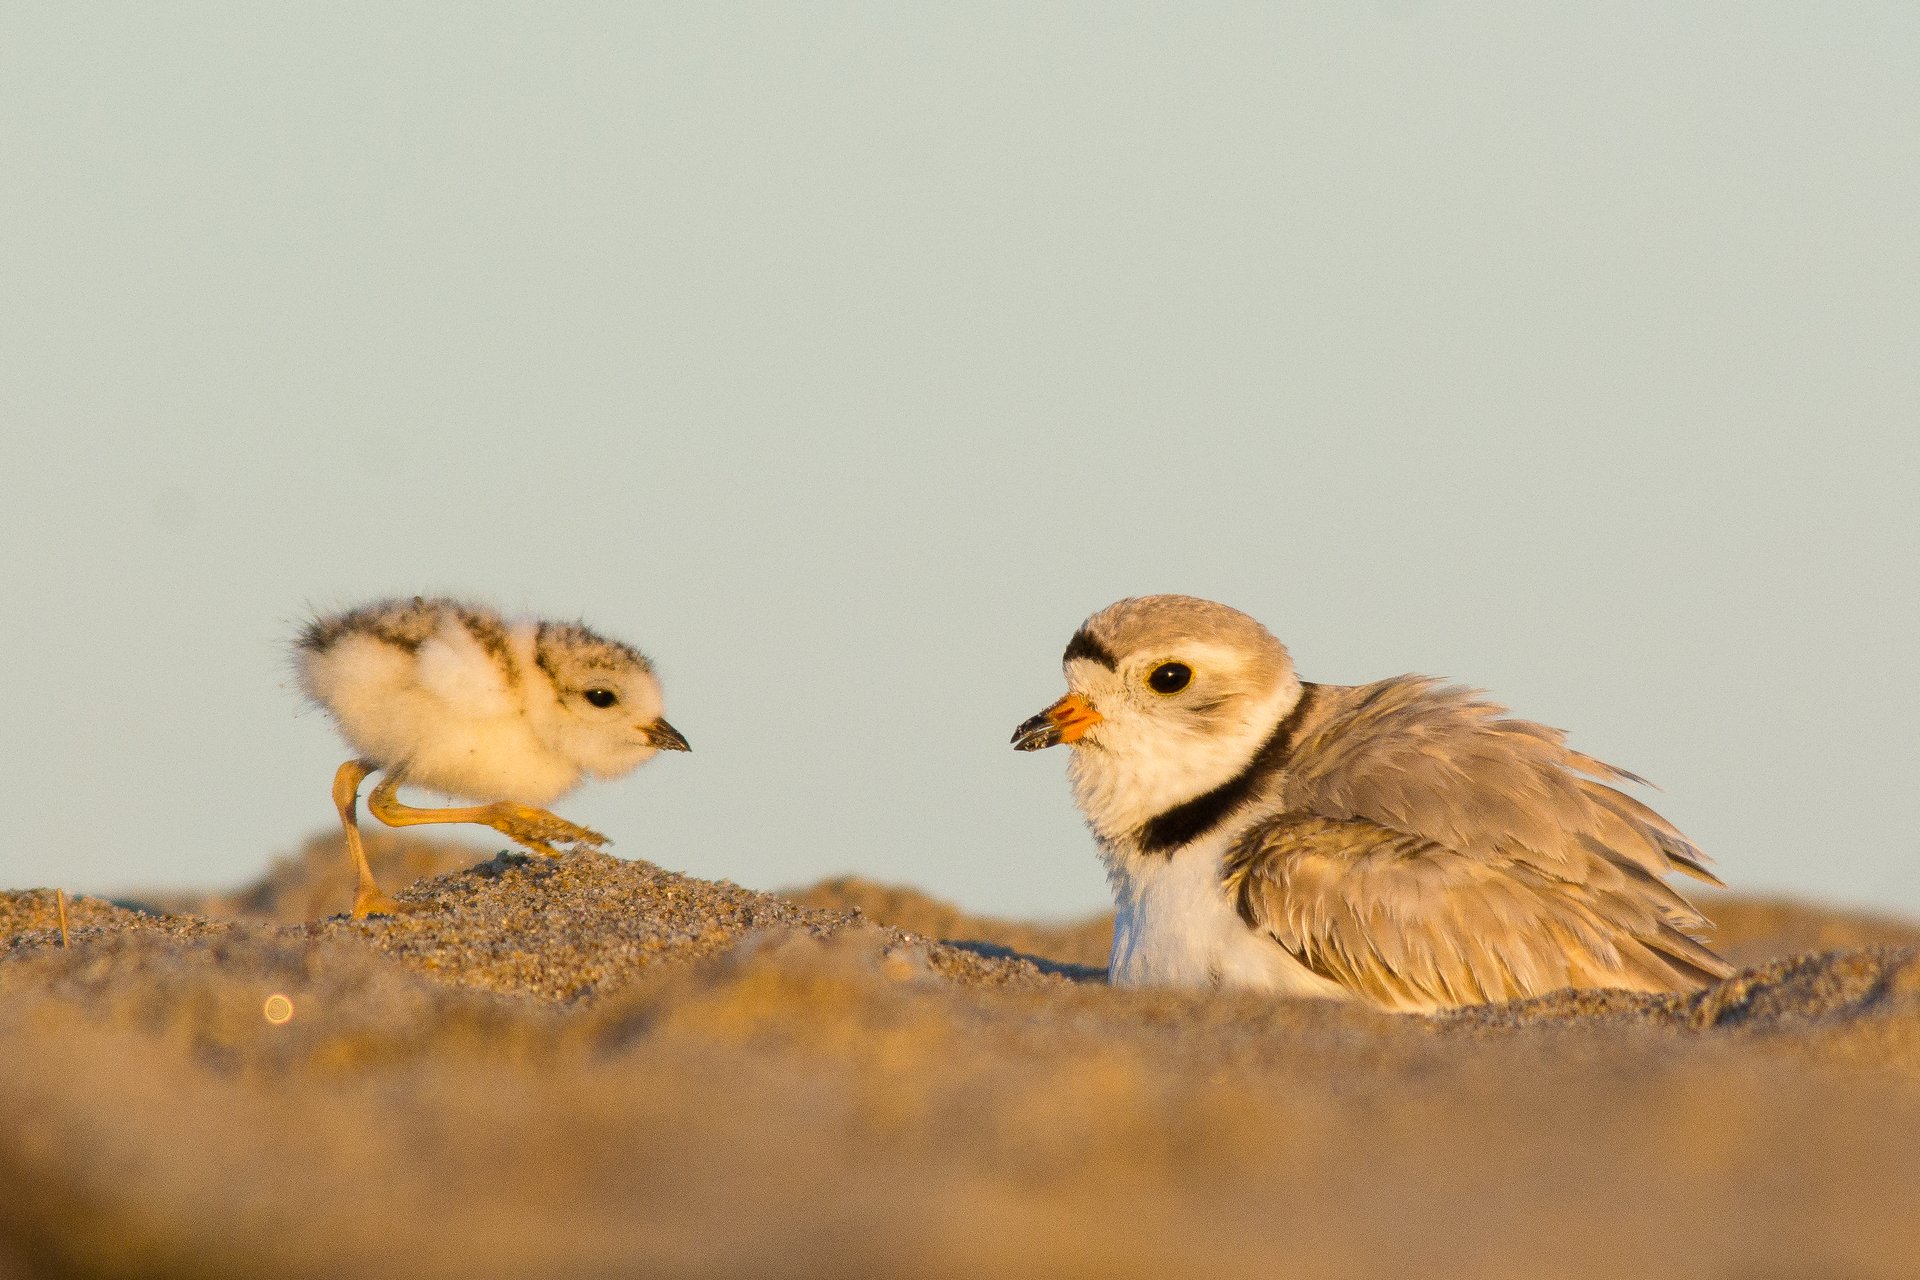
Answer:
(601, 697)
(1169, 677)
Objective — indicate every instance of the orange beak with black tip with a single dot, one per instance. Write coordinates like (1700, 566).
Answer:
(1065, 721)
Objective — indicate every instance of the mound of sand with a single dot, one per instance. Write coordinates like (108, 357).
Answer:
(316, 881)
(592, 1067)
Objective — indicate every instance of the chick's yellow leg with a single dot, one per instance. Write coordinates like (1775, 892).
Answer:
(535, 828)
(368, 900)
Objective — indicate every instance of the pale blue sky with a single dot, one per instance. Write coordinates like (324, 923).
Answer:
(845, 357)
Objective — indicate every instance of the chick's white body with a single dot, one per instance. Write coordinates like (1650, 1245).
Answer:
(446, 712)
(464, 702)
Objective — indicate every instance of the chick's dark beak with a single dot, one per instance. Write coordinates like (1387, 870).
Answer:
(664, 736)
(1065, 721)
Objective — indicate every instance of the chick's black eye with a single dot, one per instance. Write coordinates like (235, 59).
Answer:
(1169, 677)
(601, 697)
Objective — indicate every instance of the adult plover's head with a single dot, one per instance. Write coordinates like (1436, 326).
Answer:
(605, 712)
(1168, 698)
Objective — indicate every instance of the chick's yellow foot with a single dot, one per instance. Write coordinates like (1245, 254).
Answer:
(370, 901)
(539, 830)
(535, 828)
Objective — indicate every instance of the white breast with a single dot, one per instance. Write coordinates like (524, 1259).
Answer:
(1175, 926)
(446, 714)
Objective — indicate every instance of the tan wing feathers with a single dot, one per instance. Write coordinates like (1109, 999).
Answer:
(1440, 762)
(1415, 926)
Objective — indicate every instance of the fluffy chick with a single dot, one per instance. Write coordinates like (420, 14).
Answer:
(455, 698)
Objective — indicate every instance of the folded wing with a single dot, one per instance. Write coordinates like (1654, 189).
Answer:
(1434, 851)
(1415, 926)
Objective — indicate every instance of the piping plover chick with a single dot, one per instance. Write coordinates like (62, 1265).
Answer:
(1403, 843)
(455, 698)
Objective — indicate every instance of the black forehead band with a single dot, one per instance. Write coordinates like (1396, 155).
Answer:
(1083, 645)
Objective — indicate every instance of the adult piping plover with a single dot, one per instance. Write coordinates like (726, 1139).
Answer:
(1404, 843)
(455, 698)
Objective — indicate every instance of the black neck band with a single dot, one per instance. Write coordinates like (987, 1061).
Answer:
(1186, 822)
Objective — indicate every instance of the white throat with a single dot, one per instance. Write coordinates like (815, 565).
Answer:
(1125, 779)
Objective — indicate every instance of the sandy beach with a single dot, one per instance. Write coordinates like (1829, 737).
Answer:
(595, 1067)
(925, 459)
